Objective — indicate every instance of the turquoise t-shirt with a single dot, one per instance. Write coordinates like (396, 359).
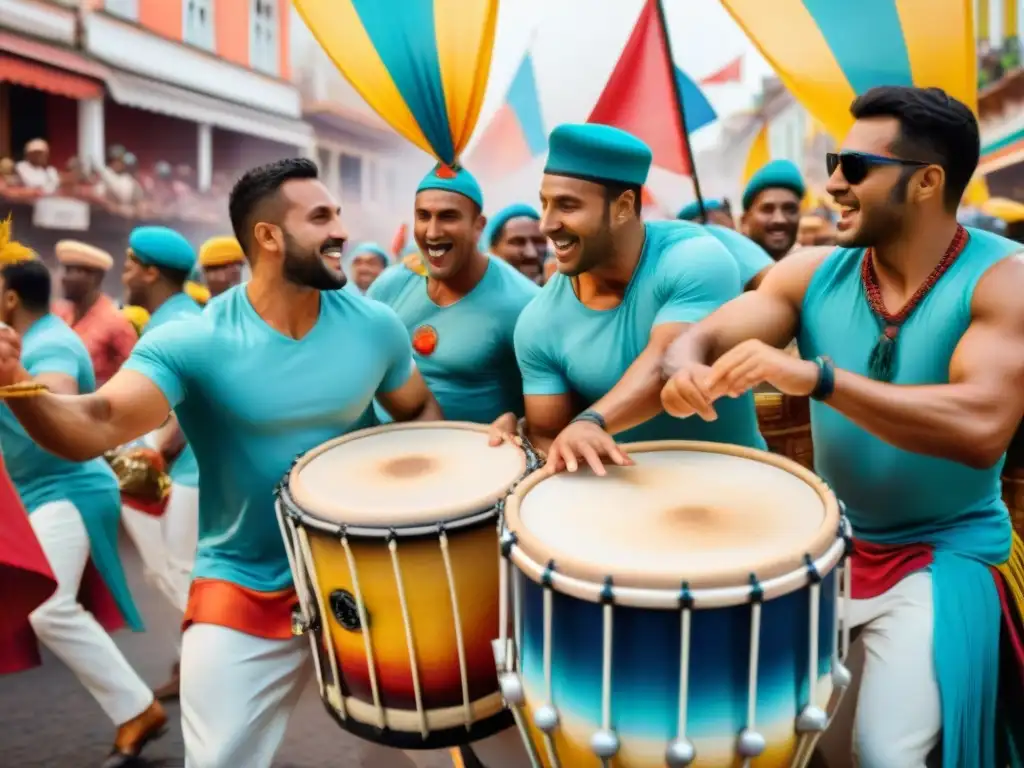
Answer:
(683, 275)
(885, 488)
(472, 368)
(750, 257)
(50, 346)
(181, 306)
(250, 400)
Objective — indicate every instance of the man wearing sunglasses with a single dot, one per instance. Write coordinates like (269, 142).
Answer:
(912, 341)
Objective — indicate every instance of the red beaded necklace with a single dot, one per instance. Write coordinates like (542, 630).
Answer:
(882, 363)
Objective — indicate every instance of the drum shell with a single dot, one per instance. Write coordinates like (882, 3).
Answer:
(473, 557)
(645, 673)
(785, 423)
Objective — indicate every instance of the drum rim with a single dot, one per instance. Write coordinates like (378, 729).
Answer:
(585, 581)
(459, 518)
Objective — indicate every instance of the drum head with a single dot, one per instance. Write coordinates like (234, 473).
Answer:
(704, 513)
(401, 475)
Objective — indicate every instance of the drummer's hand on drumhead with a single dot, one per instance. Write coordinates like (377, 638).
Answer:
(11, 371)
(752, 363)
(503, 428)
(584, 441)
(686, 394)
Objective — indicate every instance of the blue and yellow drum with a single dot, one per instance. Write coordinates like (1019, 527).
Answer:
(683, 611)
(393, 538)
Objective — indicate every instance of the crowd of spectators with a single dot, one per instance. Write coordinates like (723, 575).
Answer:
(119, 186)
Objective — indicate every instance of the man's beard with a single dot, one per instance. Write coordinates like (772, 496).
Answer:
(306, 269)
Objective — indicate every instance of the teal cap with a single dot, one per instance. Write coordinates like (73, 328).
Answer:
(459, 181)
(778, 174)
(371, 248)
(503, 217)
(162, 247)
(598, 153)
(691, 211)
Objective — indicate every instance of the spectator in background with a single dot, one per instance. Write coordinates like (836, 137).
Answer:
(35, 170)
(107, 334)
(816, 229)
(118, 183)
(717, 212)
(9, 177)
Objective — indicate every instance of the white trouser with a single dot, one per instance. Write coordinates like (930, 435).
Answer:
(167, 544)
(71, 632)
(502, 750)
(899, 719)
(237, 693)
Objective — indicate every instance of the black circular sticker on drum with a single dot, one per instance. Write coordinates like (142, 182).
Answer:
(345, 610)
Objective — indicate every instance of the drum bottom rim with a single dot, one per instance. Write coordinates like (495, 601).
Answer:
(445, 738)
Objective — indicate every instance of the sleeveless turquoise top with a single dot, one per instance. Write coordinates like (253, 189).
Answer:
(897, 497)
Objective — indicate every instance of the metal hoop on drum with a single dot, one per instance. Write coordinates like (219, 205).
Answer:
(811, 720)
(313, 609)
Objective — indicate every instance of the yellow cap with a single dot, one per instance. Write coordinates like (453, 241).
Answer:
(137, 316)
(221, 251)
(199, 293)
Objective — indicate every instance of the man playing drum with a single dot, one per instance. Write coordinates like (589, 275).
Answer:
(625, 289)
(272, 369)
(912, 337)
(462, 315)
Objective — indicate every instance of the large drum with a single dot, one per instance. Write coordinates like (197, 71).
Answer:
(683, 611)
(393, 539)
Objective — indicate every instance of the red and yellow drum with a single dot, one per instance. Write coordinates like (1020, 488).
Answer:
(392, 534)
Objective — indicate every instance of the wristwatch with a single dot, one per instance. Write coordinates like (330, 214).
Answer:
(593, 417)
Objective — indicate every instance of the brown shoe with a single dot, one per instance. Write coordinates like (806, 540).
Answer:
(132, 737)
(169, 690)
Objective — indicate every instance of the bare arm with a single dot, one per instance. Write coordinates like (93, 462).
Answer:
(972, 419)
(636, 397)
(82, 427)
(412, 401)
(546, 416)
(771, 313)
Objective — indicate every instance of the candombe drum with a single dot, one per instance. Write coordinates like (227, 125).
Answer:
(682, 611)
(392, 538)
(785, 423)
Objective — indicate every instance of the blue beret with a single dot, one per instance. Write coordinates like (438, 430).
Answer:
(691, 211)
(778, 174)
(598, 153)
(461, 182)
(373, 249)
(162, 247)
(503, 217)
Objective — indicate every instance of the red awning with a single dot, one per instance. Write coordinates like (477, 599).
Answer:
(50, 79)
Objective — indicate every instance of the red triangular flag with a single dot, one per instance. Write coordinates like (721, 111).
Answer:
(640, 96)
(730, 73)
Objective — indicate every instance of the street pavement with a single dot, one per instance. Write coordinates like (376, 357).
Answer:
(48, 720)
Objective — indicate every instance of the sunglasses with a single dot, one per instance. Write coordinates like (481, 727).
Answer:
(857, 165)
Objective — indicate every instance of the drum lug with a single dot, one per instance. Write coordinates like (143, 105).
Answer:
(300, 624)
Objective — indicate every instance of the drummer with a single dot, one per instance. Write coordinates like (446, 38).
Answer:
(462, 314)
(256, 379)
(624, 290)
(913, 337)
(155, 272)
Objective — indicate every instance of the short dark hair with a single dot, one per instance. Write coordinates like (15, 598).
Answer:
(614, 190)
(934, 128)
(175, 277)
(259, 184)
(31, 281)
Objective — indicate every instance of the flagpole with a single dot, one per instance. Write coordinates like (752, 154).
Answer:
(682, 113)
